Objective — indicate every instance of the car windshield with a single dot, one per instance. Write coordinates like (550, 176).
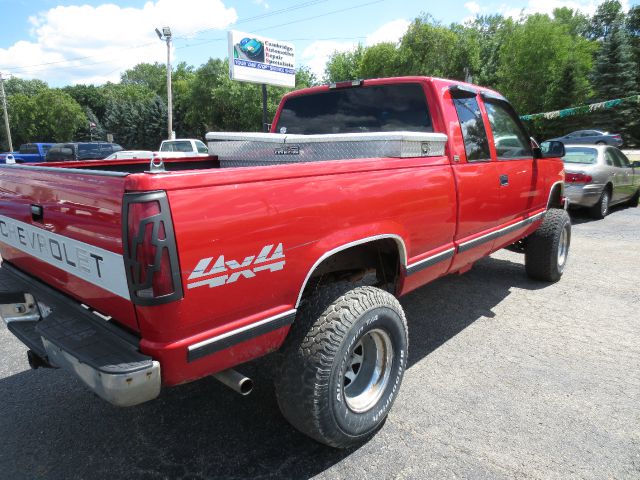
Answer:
(584, 155)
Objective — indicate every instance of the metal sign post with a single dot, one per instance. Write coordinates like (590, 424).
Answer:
(6, 114)
(265, 121)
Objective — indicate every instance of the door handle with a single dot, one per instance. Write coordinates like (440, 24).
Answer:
(504, 180)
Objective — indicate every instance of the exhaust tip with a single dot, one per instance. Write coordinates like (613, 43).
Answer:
(246, 386)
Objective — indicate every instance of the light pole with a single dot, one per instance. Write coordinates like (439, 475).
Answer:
(166, 36)
(6, 114)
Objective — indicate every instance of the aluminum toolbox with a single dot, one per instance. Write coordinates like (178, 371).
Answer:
(250, 149)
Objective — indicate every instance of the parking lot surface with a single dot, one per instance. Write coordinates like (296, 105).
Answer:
(507, 378)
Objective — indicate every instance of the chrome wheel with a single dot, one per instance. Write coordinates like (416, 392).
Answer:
(368, 369)
(604, 203)
(563, 248)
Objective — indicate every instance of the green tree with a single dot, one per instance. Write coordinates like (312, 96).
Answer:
(344, 65)
(57, 115)
(89, 97)
(16, 85)
(608, 16)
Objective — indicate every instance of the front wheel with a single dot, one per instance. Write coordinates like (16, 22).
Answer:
(547, 248)
(342, 365)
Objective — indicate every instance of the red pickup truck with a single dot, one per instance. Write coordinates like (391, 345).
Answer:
(135, 276)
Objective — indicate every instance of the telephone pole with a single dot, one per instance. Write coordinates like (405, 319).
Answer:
(166, 36)
(6, 114)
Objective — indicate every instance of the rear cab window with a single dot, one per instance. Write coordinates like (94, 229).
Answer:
(375, 108)
(177, 146)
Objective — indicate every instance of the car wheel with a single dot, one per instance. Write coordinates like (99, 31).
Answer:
(547, 249)
(341, 366)
(601, 209)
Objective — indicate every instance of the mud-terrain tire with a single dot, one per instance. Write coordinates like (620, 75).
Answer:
(548, 247)
(342, 364)
(601, 209)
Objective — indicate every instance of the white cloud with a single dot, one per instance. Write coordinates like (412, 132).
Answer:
(547, 6)
(315, 56)
(262, 3)
(115, 38)
(473, 7)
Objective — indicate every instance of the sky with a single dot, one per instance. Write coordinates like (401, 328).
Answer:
(70, 42)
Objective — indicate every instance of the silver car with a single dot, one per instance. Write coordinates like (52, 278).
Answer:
(592, 137)
(599, 176)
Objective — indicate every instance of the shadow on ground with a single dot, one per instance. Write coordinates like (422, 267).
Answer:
(52, 427)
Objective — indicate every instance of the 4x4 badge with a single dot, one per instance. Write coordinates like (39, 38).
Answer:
(222, 272)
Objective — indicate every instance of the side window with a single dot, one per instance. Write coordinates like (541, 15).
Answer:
(474, 134)
(202, 148)
(509, 137)
(612, 159)
(622, 158)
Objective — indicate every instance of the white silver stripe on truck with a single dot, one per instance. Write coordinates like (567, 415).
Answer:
(96, 265)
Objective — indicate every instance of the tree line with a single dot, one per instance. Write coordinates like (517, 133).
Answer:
(540, 62)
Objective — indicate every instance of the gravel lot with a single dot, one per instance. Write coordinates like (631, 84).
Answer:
(508, 378)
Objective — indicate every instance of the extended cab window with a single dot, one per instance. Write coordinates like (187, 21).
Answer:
(474, 134)
(509, 137)
(379, 108)
(89, 151)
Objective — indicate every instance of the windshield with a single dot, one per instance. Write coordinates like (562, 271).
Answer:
(380, 108)
(584, 155)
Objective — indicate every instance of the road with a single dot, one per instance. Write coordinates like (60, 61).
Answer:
(507, 378)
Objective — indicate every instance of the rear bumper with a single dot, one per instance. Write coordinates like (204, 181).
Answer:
(583, 195)
(65, 334)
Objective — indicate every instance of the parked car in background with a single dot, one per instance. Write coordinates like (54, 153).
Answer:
(27, 153)
(593, 137)
(183, 147)
(130, 154)
(599, 176)
(73, 151)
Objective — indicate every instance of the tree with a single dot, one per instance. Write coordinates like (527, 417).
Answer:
(89, 97)
(614, 76)
(57, 115)
(344, 65)
(16, 85)
(608, 16)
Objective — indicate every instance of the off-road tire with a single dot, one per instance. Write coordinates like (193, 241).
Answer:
(310, 384)
(543, 257)
(601, 208)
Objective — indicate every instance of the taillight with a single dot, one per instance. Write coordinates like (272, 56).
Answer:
(150, 254)
(577, 178)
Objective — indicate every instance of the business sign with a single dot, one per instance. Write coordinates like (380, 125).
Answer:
(261, 60)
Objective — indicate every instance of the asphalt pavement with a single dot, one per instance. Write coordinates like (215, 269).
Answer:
(507, 378)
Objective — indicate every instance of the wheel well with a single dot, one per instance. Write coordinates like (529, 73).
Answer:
(555, 196)
(375, 263)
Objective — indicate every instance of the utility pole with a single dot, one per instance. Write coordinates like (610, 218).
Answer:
(166, 36)
(6, 114)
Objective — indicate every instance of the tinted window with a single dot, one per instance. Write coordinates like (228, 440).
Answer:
(381, 108)
(474, 134)
(612, 159)
(202, 148)
(89, 151)
(28, 148)
(584, 155)
(60, 153)
(510, 139)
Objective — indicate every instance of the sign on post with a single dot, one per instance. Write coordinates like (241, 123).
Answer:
(257, 59)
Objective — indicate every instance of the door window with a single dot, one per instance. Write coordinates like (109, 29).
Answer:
(510, 139)
(612, 159)
(622, 158)
(476, 144)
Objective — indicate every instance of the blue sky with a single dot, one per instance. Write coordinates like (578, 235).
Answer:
(67, 42)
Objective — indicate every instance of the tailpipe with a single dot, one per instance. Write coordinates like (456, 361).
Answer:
(235, 381)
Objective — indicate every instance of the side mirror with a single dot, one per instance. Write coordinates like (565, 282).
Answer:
(550, 149)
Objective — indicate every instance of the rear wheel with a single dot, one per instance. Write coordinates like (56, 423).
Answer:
(601, 209)
(342, 364)
(547, 248)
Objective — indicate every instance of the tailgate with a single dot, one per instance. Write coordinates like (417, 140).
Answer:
(63, 226)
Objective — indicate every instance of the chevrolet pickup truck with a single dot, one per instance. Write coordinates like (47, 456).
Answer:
(27, 153)
(137, 275)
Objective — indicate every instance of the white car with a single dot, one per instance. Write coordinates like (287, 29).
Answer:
(183, 147)
(131, 154)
